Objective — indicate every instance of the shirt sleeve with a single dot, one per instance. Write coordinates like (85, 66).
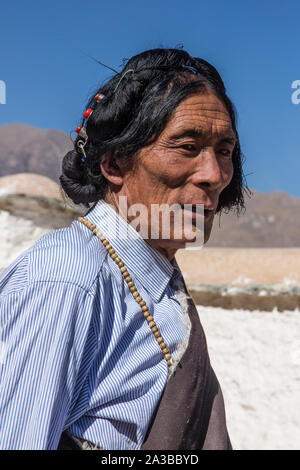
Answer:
(44, 333)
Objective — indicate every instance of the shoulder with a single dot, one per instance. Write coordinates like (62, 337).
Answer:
(68, 255)
(71, 254)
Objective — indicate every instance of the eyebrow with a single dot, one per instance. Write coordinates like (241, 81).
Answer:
(227, 137)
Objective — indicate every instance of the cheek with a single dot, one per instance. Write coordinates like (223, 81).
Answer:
(227, 173)
(171, 178)
(167, 173)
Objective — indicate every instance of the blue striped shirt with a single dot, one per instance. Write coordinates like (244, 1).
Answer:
(76, 352)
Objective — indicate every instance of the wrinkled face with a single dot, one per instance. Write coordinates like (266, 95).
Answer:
(190, 163)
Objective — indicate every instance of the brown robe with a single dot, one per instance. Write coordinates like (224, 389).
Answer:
(191, 413)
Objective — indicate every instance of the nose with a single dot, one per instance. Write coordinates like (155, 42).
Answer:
(208, 172)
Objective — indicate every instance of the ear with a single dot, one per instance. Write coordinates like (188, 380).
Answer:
(111, 169)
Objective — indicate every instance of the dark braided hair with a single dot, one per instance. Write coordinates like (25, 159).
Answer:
(133, 114)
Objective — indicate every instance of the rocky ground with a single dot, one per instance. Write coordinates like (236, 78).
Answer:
(241, 266)
(251, 278)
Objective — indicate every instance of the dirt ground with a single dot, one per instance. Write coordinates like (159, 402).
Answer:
(240, 266)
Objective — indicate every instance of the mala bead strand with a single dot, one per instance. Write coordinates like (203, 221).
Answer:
(138, 298)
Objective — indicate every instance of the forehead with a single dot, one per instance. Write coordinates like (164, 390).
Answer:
(205, 113)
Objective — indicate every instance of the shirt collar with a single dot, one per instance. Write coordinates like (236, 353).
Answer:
(150, 267)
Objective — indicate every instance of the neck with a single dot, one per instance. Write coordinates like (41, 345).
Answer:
(169, 253)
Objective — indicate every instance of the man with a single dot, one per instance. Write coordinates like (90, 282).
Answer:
(103, 346)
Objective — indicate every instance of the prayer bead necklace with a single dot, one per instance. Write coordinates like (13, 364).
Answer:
(132, 288)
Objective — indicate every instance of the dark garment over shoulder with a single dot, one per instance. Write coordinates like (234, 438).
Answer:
(191, 413)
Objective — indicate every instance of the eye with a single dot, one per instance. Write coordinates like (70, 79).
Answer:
(226, 153)
(189, 147)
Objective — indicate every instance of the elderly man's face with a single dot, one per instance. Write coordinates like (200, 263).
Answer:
(190, 163)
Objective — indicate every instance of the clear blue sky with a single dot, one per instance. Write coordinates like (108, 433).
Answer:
(255, 45)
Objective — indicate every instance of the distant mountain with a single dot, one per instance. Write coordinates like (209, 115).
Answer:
(270, 220)
(26, 149)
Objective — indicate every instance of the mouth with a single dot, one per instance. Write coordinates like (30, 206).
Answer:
(197, 210)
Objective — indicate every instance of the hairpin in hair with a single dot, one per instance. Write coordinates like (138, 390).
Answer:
(127, 71)
(82, 141)
(81, 130)
(101, 63)
(192, 69)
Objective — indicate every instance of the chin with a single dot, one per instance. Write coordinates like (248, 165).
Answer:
(207, 234)
(185, 243)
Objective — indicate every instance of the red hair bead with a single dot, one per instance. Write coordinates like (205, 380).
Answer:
(87, 113)
(99, 97)
(78, 129)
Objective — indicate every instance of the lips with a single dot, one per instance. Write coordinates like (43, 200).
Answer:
(207, 209)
